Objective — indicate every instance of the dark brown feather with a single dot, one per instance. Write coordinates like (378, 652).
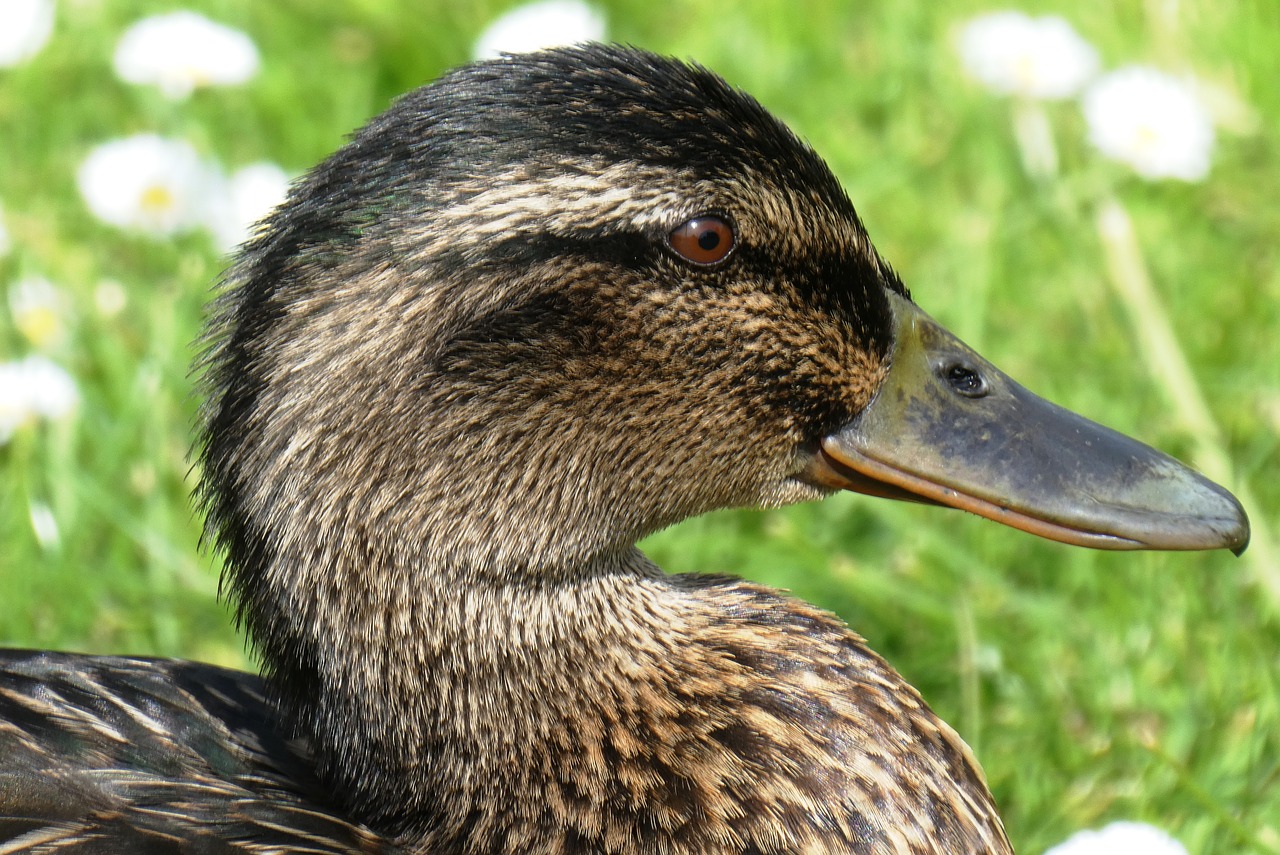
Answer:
(113, 755)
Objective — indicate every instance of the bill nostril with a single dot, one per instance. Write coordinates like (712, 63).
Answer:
(964, 379)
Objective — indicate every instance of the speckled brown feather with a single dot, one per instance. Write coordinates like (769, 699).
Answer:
(457, 377)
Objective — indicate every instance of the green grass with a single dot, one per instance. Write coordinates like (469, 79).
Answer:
(1092, 686)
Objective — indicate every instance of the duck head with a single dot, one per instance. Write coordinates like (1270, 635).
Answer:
(533, 312)
(598, 285)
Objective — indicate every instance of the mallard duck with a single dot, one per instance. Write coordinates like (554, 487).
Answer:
(535, 311)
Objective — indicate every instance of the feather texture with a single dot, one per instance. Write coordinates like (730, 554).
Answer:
(448, 387)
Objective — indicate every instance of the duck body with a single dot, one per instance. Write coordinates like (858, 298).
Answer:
(111, 754)
(534, 312)
(106, 754)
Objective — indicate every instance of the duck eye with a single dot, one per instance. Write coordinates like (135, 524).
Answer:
(705, 239)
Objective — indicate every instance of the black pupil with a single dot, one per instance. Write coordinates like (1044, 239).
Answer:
(964, 379)
(709, 240)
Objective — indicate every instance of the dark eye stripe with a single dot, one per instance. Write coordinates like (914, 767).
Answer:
(625, 248)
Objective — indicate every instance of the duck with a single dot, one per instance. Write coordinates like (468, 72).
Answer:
(535, 311)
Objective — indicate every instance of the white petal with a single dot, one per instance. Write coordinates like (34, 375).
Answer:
(146, 183)
(181, 51)
(15, 403)
(1150, 121)
(25, 26)
(246, 199)
(50, 390)
(43, 524)
(33, 388)
(37, 308)
(535, 26)
(1016, 54)
(1120, 838)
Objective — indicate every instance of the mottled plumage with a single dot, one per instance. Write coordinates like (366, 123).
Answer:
(450, 384)
(105, 754)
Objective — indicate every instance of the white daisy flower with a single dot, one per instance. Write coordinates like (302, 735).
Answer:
(14, 412)
(44, 524)
(146, 183)
(1150, 121)
(25, 26)
(1120, 838)
(181, 51)
(535, 26)
(1015, 54)
(51, 392)
(32, 389)
(246, 198)
(38, 309)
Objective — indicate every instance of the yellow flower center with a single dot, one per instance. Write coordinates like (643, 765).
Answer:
(39, 325)
(157, 199)
(1025, 71)
(1147, 138)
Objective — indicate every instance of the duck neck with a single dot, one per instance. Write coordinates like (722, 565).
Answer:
(613, 709)
(432, 697)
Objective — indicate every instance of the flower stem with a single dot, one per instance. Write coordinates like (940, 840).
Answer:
(1035, 139)
(1167, 363)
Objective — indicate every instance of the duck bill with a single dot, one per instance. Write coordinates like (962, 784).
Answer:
(948, 428)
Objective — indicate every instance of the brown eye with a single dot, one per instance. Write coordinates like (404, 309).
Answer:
(707, 239)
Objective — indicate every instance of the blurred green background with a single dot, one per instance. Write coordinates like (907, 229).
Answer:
(1092, 686)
